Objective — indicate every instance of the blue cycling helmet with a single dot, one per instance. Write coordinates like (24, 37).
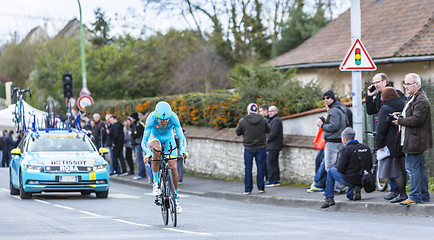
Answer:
(163, 110)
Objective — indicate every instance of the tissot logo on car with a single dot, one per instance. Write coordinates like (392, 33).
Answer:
(69, 162)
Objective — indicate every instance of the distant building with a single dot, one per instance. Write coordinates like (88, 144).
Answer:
(37, 35)
(399, 35)
(72, 30)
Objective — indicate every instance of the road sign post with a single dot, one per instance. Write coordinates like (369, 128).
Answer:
(356, 60)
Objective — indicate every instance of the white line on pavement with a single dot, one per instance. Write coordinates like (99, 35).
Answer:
(190, 232)
(4, 189)
(65, 207)
(41, 201)
(132, 223)
(91, 214)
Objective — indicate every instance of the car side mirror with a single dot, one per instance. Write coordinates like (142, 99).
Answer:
(103, 151)
(16, 151)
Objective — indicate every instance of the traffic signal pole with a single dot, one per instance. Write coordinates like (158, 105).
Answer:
(356, 75)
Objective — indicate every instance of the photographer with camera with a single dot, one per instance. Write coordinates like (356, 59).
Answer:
(387, 139)
(416, 137)
(373, 105)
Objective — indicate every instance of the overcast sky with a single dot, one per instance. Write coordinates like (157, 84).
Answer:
(21, 16)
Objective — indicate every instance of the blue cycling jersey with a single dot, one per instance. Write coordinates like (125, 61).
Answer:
(153, 130)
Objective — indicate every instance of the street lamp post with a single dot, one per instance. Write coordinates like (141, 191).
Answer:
(84, 91)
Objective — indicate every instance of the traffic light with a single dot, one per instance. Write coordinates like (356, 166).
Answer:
(67, 84)
(358, 56)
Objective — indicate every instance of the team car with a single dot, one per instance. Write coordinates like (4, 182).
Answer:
(58, 160)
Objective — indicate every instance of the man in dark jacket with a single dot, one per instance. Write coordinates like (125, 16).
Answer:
(373, 105)
(274, 145)
(137, 128)
(333, 125)
(97, 130)
(373, 98)
(416, 138)
(253, 127)
(349, 168)
(116, 133)
(9, 145)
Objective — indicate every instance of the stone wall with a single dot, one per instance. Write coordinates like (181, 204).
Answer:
(220, 154)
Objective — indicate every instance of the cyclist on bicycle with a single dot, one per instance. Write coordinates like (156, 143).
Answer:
(159, 130)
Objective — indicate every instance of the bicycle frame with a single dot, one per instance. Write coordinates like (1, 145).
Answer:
(19, 114)
(167, 197)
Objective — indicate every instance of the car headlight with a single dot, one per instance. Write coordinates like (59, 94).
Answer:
(100, 167)
(34, 168)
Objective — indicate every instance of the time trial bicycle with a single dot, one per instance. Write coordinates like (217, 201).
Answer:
(166, 200)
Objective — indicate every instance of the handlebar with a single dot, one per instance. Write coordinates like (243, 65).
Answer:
(21, 91)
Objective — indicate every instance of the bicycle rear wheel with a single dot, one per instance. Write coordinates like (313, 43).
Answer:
(380, 182)
(171, 195)
(164, 201)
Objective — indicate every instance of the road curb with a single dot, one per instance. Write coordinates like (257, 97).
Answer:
(346, 206)
(363, 206)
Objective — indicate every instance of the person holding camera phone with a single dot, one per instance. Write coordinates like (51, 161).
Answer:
(387, 138)
(373, 97)
(373, 105)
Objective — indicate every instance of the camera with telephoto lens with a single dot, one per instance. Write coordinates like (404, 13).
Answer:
(391, 117)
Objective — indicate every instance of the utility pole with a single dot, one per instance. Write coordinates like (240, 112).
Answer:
(356, 75)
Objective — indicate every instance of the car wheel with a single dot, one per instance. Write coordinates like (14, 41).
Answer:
(103, 194)
(12, 189)
(24, 194)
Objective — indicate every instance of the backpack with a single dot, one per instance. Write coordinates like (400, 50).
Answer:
(348, 113)
(368, 176)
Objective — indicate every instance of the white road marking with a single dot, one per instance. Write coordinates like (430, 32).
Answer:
(180, 195)
(4, 189)
(131, 223)
(64, 207)
(41, 201)
(121, 195)
(91, 214)
(190, 232)
(17, 197)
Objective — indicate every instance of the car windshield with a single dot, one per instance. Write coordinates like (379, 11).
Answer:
(57, 143)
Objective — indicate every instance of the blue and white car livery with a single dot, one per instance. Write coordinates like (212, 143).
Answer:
(55, 160)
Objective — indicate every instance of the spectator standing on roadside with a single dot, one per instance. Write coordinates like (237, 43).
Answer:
(128, 146)
(116, 133)
(386, 139)
(97, 131)
(274, 144)
(3, 144)
(137, 129)
(9, 145)
(373, 98)
(373, 105)
(416, 138)
(263, 110)
(253, 127)
(333, 126)
(319, 180)
(349, 168)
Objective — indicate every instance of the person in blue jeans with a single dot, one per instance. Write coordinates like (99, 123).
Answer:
(253, 127)
(416, 137)
(353, 159)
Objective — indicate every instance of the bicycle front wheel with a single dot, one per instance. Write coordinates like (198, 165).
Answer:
(164, 200)
(171, 195)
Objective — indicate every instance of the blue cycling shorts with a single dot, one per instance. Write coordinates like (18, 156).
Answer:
(166, 141)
